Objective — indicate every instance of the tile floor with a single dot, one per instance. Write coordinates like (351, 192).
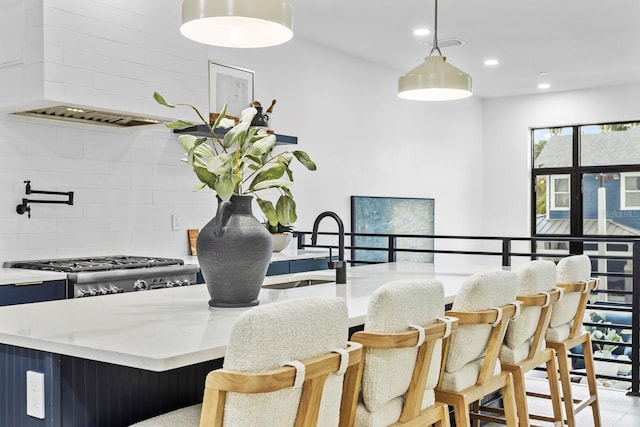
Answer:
(616, 408)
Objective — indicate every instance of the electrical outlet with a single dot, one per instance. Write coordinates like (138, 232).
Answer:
(35, 394)
(175, 222)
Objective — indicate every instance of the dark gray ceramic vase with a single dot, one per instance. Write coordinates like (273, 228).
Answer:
(234, 250)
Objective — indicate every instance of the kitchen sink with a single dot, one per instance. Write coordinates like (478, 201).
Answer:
(297, 283)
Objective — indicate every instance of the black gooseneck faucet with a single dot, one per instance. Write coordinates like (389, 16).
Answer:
(340, 266)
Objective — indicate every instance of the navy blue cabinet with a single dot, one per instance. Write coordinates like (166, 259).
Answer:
(297, 266)
(33, 292)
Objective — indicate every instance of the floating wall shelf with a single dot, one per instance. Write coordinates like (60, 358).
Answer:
(202, 130)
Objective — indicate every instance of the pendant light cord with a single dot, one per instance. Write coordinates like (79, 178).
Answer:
(435, 34)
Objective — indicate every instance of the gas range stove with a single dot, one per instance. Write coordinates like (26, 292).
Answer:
(95, 276)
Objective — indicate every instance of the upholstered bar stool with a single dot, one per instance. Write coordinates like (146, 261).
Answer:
(524, 347)
(286, 364)
(484, 306)
(402, 338)
(566, 331)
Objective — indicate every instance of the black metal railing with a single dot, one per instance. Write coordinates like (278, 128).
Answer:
(548, 247)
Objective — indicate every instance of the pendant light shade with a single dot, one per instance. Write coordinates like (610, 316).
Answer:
(435, 79)
(237, 23)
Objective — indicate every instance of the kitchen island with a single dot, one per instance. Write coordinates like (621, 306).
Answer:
(119, 358)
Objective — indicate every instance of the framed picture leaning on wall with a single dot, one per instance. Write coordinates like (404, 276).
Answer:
(230, 85)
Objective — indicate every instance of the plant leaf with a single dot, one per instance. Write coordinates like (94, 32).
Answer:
(206, 177)
(221, 164)
(305, 160)
(220, 116)
(286, 210)
(268, 173)
(272, 183)
(160, 100)
(199, 186)
(179, 124)
(268, 210)
(239, 131)
(224, 186)
(263, 145)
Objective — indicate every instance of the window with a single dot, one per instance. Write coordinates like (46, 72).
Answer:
(560, 195)
(630, 191)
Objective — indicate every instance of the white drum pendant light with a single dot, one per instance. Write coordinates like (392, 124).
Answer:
(237, 23)
(435, 79)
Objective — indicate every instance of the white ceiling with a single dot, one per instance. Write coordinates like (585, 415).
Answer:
(579, 43)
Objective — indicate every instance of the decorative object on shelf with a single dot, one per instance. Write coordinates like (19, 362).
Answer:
(230, 86)
(237, 23)
(236, 168)
(281, 235)
(260, 120)
(24, 206)
(435, 79)
(269, 112)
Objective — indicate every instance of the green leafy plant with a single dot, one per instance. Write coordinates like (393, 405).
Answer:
(597, 333)
(278, 228)
(241, 162)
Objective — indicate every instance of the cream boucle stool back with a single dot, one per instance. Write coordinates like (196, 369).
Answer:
(257, 385)
(397, 311)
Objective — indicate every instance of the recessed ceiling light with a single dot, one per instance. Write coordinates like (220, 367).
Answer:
(491, 62)
(421, 32)
(544, 86)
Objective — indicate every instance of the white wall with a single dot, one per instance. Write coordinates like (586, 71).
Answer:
(507, 145)
(128, 183)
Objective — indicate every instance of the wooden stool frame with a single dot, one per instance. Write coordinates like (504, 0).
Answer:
(562, 348)
(487, 382)
(538, 355)
(317, 369)
(412, 414)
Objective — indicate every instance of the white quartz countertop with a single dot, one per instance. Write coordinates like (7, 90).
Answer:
(169, 328)
(9, 276)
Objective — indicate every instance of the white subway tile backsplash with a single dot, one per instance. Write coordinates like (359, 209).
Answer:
(82, 225)
(127, 183)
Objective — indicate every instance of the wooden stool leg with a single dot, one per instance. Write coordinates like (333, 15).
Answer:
(554, 388)
(521, 397)
(461, 411)
(565, 381)
(591, 381)
(509, 402)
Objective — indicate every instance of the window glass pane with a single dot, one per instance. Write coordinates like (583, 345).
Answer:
(552, 147)
(562, 200)
(562, 185)
(633, 199)
(632, 183)
(551, 218)
(607, 208)
(610, 144)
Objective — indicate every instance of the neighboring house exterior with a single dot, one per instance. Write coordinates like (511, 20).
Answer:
(622, 209)
(620, 213)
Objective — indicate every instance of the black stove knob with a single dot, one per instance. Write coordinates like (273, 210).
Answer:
(140, 285)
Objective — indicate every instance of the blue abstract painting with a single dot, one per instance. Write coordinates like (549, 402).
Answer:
(392, 215)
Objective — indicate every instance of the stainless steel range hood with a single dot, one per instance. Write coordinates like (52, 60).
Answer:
(90, 116)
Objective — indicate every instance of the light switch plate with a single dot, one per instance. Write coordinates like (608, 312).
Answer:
(35, 394)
